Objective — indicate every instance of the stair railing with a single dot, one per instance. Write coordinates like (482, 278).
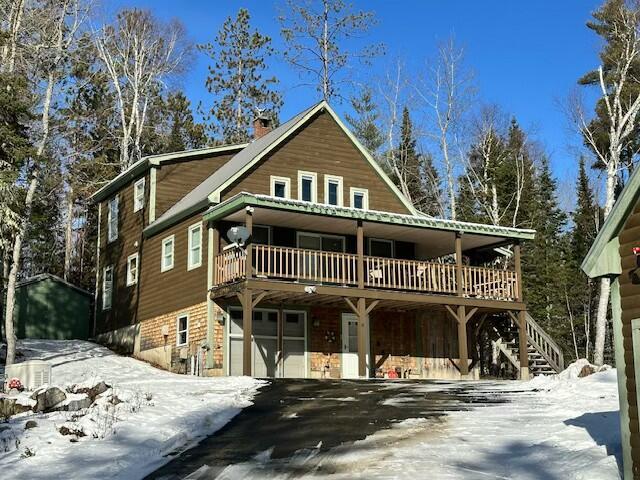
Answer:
(544, 344)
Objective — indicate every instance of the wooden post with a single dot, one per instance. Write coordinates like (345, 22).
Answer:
(523, 345)
(215, 234)
(517, 260)
(248, 223)
(247, 343)
(360, 250)
(362, 337)
(459, 288)
(462, 341)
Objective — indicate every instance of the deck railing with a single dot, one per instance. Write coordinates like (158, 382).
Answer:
(297, 264)
(544, 344)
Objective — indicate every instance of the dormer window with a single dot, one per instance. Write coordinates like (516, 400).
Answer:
(307, 190)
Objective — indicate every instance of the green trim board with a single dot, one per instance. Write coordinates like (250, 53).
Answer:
(243, 200)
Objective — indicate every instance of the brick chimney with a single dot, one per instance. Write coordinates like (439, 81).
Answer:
(261, 126)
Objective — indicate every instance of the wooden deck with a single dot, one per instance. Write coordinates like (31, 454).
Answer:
(337, 268)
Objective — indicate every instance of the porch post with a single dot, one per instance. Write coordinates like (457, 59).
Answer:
(362, 337)
(523, 345)
(462, 341)
(517, 260)
(360, 250)
(247, 344)
(459, 288)
(248, 223)
(215, 250)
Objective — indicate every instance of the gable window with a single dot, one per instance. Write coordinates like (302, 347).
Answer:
(333, 190)
(138, 195)
(107, 287)
(182, 330)
(280, 187)
(195, 246)
(132, 269)
(379, 247)
(112, 219)
(359, 198)
(167, 253)
(307, 186)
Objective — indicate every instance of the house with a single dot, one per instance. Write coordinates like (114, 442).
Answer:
(49, 307)
(341, 278)
(616, 254)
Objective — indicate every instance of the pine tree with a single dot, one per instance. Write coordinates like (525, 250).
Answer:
(364, 123)
(184, 132)
(236, 79)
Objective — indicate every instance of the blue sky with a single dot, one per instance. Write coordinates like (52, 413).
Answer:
(526, 55)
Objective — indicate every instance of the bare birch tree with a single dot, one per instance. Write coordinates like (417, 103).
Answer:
(139, 53)
(621, 105)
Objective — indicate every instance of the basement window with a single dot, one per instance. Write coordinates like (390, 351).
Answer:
(182, 330)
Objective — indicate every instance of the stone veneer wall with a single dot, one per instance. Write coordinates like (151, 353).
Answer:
(325, 342)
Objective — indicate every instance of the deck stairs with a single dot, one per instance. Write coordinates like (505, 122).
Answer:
(545, 355)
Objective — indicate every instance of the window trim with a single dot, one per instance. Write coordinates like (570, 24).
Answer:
(112, 233)
(365, 197)
(320, 236)
(382, 240)
(138, 206)
(170, 238)
(186, 330)
(314, 188)
(287, 185)
(192, 266)
(129, 258)
(105, 305)
(340, 194)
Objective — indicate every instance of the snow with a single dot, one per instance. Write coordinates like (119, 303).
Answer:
(156, 414)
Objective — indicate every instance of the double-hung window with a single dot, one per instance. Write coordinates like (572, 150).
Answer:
(138, 195)
(132, 269)
(280, 187)
(359, 198)
(167, 253)
(307, 186)
(112, 219)
(195, 246)
(333, 190)
(107, 287)
(182, 330)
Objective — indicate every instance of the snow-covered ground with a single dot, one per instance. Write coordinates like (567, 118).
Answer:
(161, 413)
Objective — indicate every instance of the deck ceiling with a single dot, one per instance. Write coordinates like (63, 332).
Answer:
(430, 243)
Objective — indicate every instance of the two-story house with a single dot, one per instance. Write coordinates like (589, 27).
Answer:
(341, 276)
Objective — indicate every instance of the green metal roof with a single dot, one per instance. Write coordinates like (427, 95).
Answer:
(244, 199)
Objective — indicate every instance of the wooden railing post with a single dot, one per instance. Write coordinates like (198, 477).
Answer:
(248, 223)
(459, 286)
(360, 250)
(517, 260)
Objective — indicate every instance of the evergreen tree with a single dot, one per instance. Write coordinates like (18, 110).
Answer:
(364, 123)
(236, 79)
(184, 132)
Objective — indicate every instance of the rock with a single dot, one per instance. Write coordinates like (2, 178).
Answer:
(47, 397)
(10, 406)
(586, 371)
(72, 430)
(30, 424)
(79, 401)
(92, 390)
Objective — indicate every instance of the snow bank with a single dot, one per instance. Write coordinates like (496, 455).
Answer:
(131, 429)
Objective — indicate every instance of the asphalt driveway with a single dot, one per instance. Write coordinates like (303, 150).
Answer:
(294, 425)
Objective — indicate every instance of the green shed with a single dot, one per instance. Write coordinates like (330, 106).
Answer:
(49, 307)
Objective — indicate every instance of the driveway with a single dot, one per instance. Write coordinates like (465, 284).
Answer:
(296, 426)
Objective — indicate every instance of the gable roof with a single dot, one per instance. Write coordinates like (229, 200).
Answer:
(209, 190)
(598, 262)
(144, 163)
(49, 276)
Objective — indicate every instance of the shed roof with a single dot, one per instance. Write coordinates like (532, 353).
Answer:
(49, 276)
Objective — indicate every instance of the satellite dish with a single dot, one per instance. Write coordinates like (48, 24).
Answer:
(238, 236)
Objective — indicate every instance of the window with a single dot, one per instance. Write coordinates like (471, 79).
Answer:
(107, 287)
(195, 246)
(333, 190)
(359, 198)
(138, 195)
(307, 190)
(167, 254)
(132, 269)
(380, 248)
(261, 235)
(182, 330)
(280, 187)
(112, 220)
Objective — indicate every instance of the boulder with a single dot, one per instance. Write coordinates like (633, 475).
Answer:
(587, 370)
(68, 429)
(77, 401)
(10, 406)
(92, 389)
(47, 397)
(30, 424)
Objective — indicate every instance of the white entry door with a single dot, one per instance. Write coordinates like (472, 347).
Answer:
(349, 345)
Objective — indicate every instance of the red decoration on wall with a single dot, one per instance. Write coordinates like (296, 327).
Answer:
(636, 251)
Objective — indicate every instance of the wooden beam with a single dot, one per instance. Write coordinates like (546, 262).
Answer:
(453, 314)
(360, 252)
(372, 305)
(518, 267)
(463, 352)
(362, 339)
(523, 345)
(248, 223)
(247, 343)
(258, 298)
(215, 234)
(458, 245)
(470, 314)
(240, 296)
(351, 305)
(483, 318)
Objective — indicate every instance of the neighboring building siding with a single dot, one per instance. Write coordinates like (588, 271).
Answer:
(630, 301)
(130, 225)
(175, 180)
(321, 147)
(162, 292)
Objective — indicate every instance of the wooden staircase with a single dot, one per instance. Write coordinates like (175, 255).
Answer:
(545, 355)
